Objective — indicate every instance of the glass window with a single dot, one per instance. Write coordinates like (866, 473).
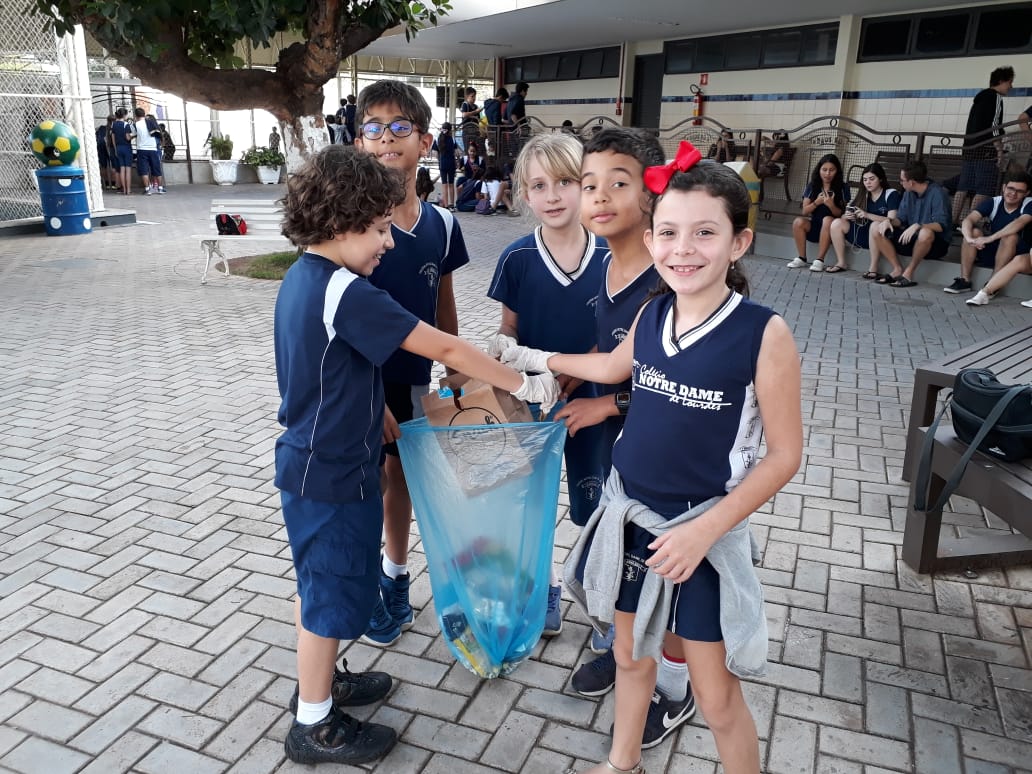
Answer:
(885, 38)
(743, 52)
(513, 70)
(709, 54)
(611, 62)
(591, 64)
(549, 67)
(531, 68)
(941, 34)
(1007, 29)
(819, 45)
(680, 56)
(781, 48)
(568, 66)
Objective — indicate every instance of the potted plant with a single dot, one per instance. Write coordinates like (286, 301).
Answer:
(223, 168)
(267, 162)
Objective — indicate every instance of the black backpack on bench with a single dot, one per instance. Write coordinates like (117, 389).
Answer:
(990, 417)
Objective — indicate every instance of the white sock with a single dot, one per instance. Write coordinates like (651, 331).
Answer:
(392, 570)
(672, 678)
(308, 713)
(553, 579)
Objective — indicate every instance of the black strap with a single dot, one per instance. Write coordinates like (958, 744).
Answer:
(924, 469)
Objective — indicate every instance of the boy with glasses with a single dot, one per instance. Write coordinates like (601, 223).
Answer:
(394, 122)
(1007, 216)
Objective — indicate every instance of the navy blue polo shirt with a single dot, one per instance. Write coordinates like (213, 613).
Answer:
(333, 332)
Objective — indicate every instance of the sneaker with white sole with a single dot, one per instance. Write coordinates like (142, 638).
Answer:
(383, 629)
(554, 613)
(1027, 303)
(665, 716)
(596, 677)
(797, 263)
(981, 298)
(817, 265)
(395, 594)
(960, 285)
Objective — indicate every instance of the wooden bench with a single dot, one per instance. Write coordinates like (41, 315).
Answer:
(263, 218)
(1003, 488)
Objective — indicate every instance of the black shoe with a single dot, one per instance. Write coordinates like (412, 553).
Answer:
(665, 716)
(338, 738)
(960, 285)
(353, 690)
(596, 677)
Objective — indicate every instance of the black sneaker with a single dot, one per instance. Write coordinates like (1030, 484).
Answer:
(353, 690)
(596, 677)
(338, 738)
(960, 285)
(665, 716)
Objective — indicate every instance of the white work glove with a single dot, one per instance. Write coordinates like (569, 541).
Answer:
(527, 359)
(498, 343)
(539, 388)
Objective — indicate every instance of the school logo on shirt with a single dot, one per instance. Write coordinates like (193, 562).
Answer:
(590, 487)
(592, 302)
(430, 271)
(652, 379)
(633, 568)
(619, 334)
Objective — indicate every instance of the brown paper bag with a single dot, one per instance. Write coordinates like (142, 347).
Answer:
(481, 458)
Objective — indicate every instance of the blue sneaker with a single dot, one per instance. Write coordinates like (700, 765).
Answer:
(383, 629)
(596, 677)
(395, 593)
(603, 643)
(554, 614)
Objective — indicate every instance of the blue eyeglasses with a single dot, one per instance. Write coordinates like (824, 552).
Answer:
(373, 130)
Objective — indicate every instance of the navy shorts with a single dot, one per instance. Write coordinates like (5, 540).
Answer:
(695, 611)
(981, 177)
(938, 250)
(102, 156)
(123, 156)
(816, 222)
(404, 401)
(336, 550)
(859, 236)
(148, 162)
(447, 175)
(987, 255)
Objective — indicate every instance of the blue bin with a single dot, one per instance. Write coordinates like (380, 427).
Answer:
(62, 193)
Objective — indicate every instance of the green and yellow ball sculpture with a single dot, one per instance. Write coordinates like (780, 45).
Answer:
(54, 144)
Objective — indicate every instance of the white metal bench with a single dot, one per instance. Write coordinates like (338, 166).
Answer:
(263, 219)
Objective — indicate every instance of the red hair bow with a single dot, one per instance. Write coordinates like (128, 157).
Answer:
(658, 178)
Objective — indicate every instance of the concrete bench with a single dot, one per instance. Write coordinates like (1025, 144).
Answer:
(263, 219)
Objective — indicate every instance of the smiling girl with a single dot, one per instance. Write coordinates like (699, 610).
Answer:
(711, 372)
(547, 283)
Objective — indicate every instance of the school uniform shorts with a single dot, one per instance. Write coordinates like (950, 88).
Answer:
(336, 551)
(695, 610)
(406, 402)
(447, 175)
(148, 162)
(937, 251)
(123, 156)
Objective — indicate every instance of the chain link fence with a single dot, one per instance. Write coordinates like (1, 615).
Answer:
(40, 77)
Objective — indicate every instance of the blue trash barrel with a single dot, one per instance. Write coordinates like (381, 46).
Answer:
(62, 192)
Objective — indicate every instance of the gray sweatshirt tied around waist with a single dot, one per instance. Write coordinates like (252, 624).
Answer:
(742, 620)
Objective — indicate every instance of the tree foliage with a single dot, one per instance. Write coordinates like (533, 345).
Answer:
(189, 47)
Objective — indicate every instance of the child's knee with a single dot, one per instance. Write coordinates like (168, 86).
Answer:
(720, 706)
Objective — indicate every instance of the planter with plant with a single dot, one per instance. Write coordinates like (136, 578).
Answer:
(223, 167)
(267, 162)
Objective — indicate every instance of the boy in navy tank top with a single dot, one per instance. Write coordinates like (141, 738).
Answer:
(547, 283)
(711, 373)
(333, 333)
(428, 247)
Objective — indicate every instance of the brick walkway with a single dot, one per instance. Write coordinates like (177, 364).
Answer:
(145, 582)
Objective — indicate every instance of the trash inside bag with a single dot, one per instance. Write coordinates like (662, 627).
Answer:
(485, 500)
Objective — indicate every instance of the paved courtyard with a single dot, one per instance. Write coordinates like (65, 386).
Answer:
(146, 584)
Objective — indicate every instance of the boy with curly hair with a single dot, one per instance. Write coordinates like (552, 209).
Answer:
(333, 333)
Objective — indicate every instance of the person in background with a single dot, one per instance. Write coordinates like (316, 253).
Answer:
(875, 202)
(168, 146)
(982, 154)
(274, 139)
(824, 199)
(724, 148)
(445, 147)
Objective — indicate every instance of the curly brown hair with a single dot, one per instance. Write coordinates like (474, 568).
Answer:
(339, 189)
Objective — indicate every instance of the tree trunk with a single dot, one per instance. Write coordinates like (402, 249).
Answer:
(303, 136)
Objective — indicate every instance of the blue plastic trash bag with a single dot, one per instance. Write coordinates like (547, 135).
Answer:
(485, 500)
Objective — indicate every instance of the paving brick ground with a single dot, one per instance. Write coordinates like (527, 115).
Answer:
(145, 581)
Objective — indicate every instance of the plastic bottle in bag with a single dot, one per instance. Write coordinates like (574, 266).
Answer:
(456, 629)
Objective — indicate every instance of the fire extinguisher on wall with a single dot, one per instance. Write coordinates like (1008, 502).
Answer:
(697, 102)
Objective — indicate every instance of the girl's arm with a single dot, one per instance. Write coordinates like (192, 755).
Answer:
(809, 205)
(461, 356)
(600, 367)
(509, 325)
(679, 551)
